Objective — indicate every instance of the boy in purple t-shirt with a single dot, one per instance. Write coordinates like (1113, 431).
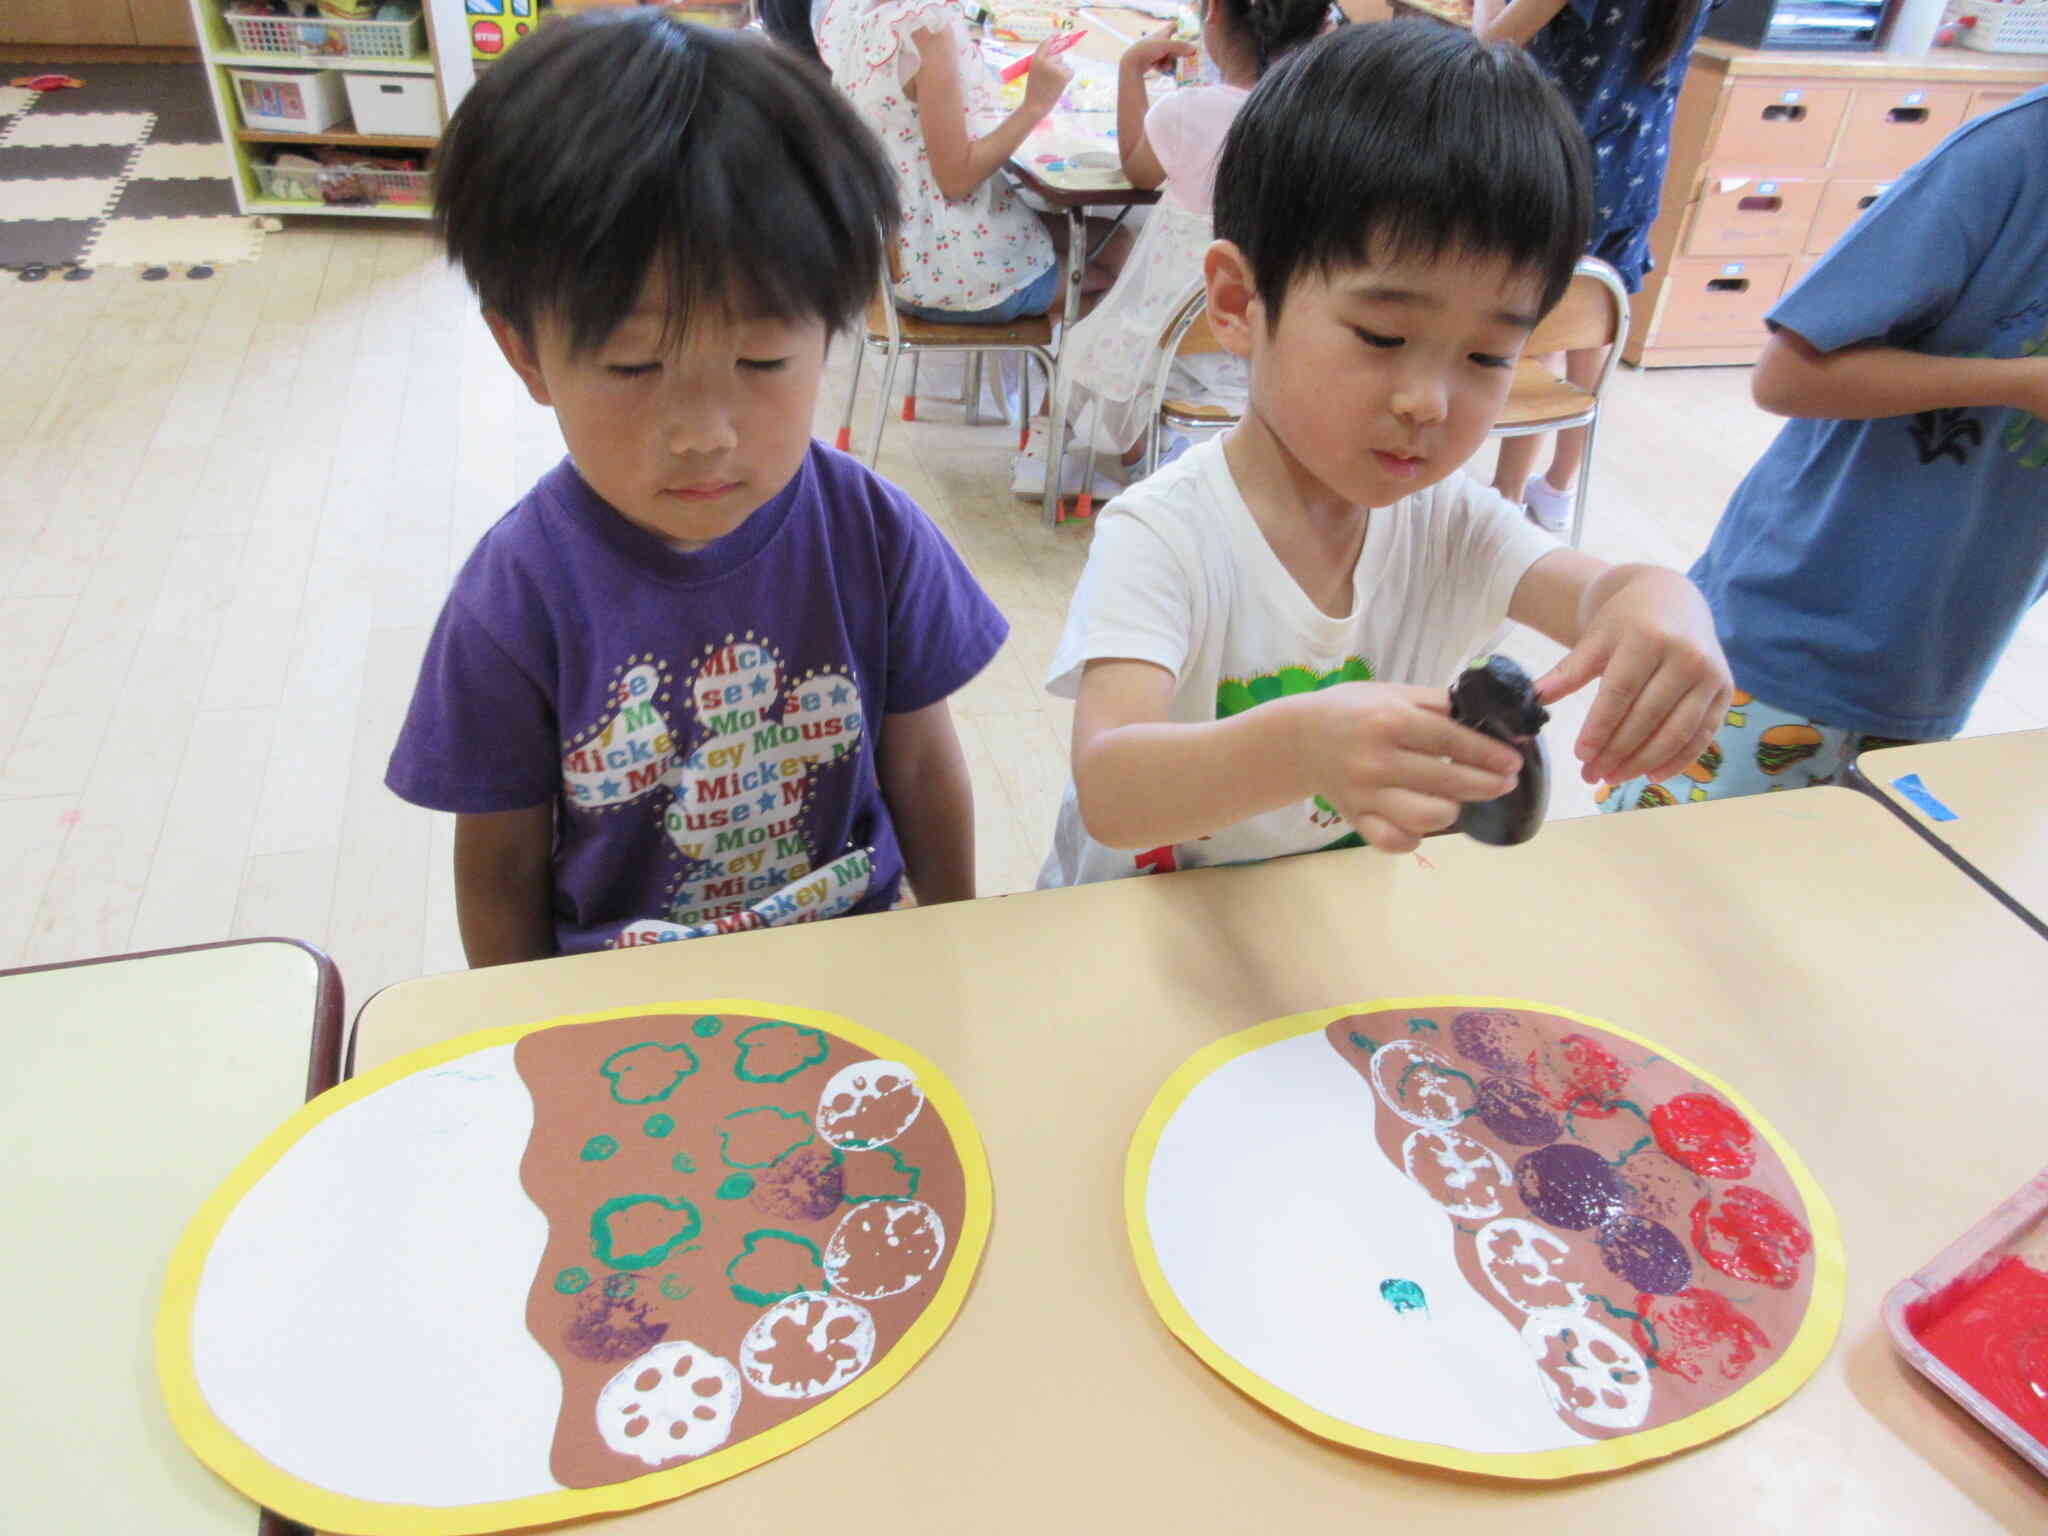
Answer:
(696, 680)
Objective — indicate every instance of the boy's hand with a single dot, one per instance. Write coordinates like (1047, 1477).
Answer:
(1048, 77)
(1156, 50)
(1392, 761)
(1664, 684)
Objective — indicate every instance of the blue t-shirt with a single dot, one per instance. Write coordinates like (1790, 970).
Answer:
(1867, 574)
(703, 722)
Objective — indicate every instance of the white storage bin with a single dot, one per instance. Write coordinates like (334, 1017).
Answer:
(401, 104)
(2009, 28)
(289, 101)
(323, 37)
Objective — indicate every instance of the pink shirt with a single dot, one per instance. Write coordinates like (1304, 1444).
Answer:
(1186, 131)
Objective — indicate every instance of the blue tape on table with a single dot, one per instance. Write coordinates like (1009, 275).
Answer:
(1910, 786)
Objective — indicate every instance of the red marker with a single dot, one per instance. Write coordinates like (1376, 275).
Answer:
(1060, 45)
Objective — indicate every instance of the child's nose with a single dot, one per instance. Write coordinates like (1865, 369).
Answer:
(1421, 396)
(701, 425)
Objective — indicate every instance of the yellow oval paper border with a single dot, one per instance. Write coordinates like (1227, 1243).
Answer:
(322, 1508)
(1784, 1376)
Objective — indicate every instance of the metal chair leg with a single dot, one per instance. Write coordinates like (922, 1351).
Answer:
(909, 392)
(971, 395)
(1578, 530)
(882, 415)
(844, 441)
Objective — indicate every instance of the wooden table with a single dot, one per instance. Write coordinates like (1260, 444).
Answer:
(1862, 993)
(1978, 801)
(133, 1086)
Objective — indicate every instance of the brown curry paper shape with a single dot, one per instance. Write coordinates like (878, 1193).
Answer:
(743, 1213)
(751, 1223)
(1662, 1263)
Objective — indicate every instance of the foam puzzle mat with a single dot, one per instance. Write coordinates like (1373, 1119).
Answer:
(125, 169)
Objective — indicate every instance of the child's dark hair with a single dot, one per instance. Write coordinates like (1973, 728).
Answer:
(1403, 139)
(1273, 27)
(622, 142)
(789, 23)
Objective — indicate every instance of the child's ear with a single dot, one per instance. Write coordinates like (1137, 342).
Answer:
(520, 353)
(1234, 306)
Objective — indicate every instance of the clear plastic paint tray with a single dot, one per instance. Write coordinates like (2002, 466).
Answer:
(2019, 1226)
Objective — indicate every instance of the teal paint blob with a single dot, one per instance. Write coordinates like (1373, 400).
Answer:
(598, 1148)
(572, 1279)
(1404, 1296)
(658, 1126)
(736, 1186)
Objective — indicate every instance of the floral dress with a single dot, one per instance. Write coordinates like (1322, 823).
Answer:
(1593, 50)
(965, 255)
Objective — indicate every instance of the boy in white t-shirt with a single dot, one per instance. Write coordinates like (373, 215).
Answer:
(1260, 647)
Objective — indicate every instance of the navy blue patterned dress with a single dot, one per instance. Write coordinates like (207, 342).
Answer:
(1593, 50)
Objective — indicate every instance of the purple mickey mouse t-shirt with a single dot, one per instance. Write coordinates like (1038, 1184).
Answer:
(704, 721)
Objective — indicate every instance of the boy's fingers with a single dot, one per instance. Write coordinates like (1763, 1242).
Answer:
(1571, 674)
(1439, 736)
(1621, 682)
(1384, 835)
(1700, 738)
(1454, 783)
(1630, 742)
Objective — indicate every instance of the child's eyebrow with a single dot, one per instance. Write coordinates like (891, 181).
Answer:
(1415, 298)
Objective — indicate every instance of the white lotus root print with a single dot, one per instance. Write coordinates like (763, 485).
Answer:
(675, 1400)
(869, 1104)
(1420, 1086)
(633, 753)
(883, 1248)
(1520, 1261)
(738, 815)
(1462, 1176)
(1591, 1373)
(807, 1345)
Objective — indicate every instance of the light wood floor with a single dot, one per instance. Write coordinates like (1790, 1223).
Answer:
(229, 511)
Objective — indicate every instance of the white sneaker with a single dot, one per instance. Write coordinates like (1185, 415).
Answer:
(1551, 509)
(1028, 476)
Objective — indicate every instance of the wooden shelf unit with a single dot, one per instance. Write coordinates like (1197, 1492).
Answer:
(447, 60)
(1774, 153)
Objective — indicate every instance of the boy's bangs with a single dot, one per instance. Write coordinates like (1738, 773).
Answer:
(1404, 140)
(634, 146)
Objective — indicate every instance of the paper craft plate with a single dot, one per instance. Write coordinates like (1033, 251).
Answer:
(1490, 1235)
(571, 1267)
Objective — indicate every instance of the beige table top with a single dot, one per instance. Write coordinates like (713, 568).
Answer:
(133, 1086)
(1866, 996)
(1992, 784)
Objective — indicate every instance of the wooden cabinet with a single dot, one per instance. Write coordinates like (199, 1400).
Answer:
(1773, 156)
(288, 47)
(163, 23)
(99, 22)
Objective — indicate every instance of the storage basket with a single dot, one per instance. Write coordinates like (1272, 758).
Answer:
(341, 185)
(325, 38)
(1999, 28)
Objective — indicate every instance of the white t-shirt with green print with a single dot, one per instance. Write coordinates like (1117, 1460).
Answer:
(1180, 575)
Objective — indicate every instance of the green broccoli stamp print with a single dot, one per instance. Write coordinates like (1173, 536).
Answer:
(648, 1073)
(639, 1231)
(879, 1173)
(773, 1265)
(762, 1136)
(775, 1052)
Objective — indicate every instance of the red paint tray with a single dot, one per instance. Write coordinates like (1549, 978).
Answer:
(2018, 1226)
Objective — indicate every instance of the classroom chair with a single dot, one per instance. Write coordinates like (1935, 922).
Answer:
(1592, 313)
(896, 336)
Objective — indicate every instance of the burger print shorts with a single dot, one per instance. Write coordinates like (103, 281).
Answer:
(1758, 749)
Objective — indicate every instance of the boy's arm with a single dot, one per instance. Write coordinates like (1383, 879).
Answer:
(1386, 755)
(1862, 383)
(503, 885)
(1648, 636)
(1512, 21)
(924, 780)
